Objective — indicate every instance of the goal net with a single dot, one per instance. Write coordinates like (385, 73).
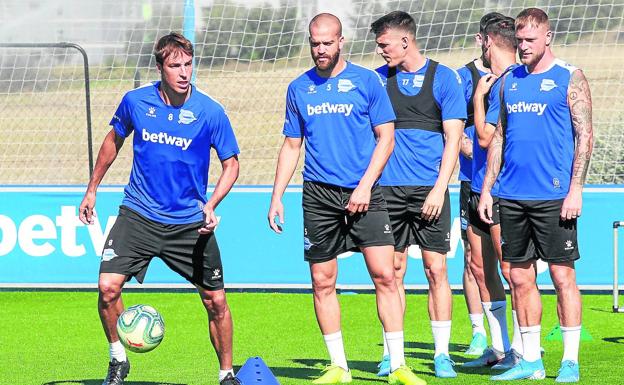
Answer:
(246, 54)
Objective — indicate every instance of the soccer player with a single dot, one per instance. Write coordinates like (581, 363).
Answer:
(499, 54)
(470, 75)
(165, 212)
(344, 115)
(545, 136)
(428, 100)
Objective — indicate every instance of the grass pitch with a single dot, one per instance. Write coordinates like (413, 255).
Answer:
(55, 338)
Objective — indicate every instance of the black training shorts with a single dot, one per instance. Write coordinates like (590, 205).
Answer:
(473, 213)
(329, 230)
(134, 240)
(555, 239)
(405, 208)
(464, 199)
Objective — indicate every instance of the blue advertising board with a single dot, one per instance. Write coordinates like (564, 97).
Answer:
(42, 242)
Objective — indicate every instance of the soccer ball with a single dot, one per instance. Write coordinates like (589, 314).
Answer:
(140, 328)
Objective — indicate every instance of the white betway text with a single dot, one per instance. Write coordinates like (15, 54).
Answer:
(330, 108)
(164, 138)
(539, 108)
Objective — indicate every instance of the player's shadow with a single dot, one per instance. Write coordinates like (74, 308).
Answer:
(615, 340)
(99, 382)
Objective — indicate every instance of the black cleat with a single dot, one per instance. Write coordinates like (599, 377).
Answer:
(117, 372)
(230, 380)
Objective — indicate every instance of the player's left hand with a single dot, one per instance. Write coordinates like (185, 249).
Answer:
(432, 208)
(210, 221)
(572, 204)
(359, 200)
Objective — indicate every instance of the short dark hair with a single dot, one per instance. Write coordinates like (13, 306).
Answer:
(394, 20)
(487, 18)
(503, 31)
(167, 44)
(533, 17)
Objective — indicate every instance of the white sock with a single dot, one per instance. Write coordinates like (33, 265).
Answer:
(223, 373)
(496, 313)
(117, 351)
(531, 342)
(441, 331)
(516, 341)
(335, 347)
(385, 343)
(477, 324)
(571, 338)
(396, 343)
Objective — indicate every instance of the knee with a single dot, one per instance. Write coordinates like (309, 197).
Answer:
(323, 285)
(506, 271)
(215, 303)
(109, 292)
(477, 271)
(386, 278)
(564, 283)
(521, 282)
(436, 273)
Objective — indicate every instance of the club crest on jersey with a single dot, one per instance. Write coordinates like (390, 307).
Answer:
(186, 117)
(151, 112)
(345, 85)
(547, 85)
(418, 81)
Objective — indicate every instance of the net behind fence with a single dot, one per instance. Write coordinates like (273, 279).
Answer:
(246, 54)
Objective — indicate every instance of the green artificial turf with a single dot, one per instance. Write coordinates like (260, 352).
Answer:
(55, 338)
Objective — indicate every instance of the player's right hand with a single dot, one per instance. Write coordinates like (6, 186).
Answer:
(86, 211)
(485, 83)
(276, 210)
(485, 207)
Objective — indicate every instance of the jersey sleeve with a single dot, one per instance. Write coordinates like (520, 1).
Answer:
(122, 119)
(293, 123)
(380, 109)
(222, 137)
(449, 94)
(493, 111)
(466, 81)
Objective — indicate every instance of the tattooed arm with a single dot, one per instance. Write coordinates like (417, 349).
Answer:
(494, 159)
(579, 101)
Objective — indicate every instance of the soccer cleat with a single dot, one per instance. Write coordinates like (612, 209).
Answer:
(117, 372)
(488, 358)
(444, 366)
(404, 376)
(477, 345)
(384, 366)
(524, 370)
(509, 361)
(568, 372)
(229, 379)
(333, 374)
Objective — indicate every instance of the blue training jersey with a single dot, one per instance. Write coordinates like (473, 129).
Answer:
(171, 149)
(479, 154)
(465, 164)
(418, 153)
(336, 117)
(538, 150)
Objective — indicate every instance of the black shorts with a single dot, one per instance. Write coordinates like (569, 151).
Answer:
(521, 221)
(405, 208)
(473, 213)
(134, 240)
(464, 199)
(329, 230)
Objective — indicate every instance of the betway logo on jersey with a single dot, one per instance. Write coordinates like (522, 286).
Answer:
(164, 138)
(539, 108)
(330, 108)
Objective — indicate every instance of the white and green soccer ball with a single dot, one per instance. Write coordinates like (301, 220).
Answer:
(140, 328)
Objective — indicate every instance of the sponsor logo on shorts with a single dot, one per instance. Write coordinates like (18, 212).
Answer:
(345, 85)
(216, 274)
(448, 237)
(569, 245)
(547, 85)
(186, 117)
(387, 229)
(108, 254)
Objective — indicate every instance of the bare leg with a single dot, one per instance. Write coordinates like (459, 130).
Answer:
(326, 303)
(219, 324)
(110, 305)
